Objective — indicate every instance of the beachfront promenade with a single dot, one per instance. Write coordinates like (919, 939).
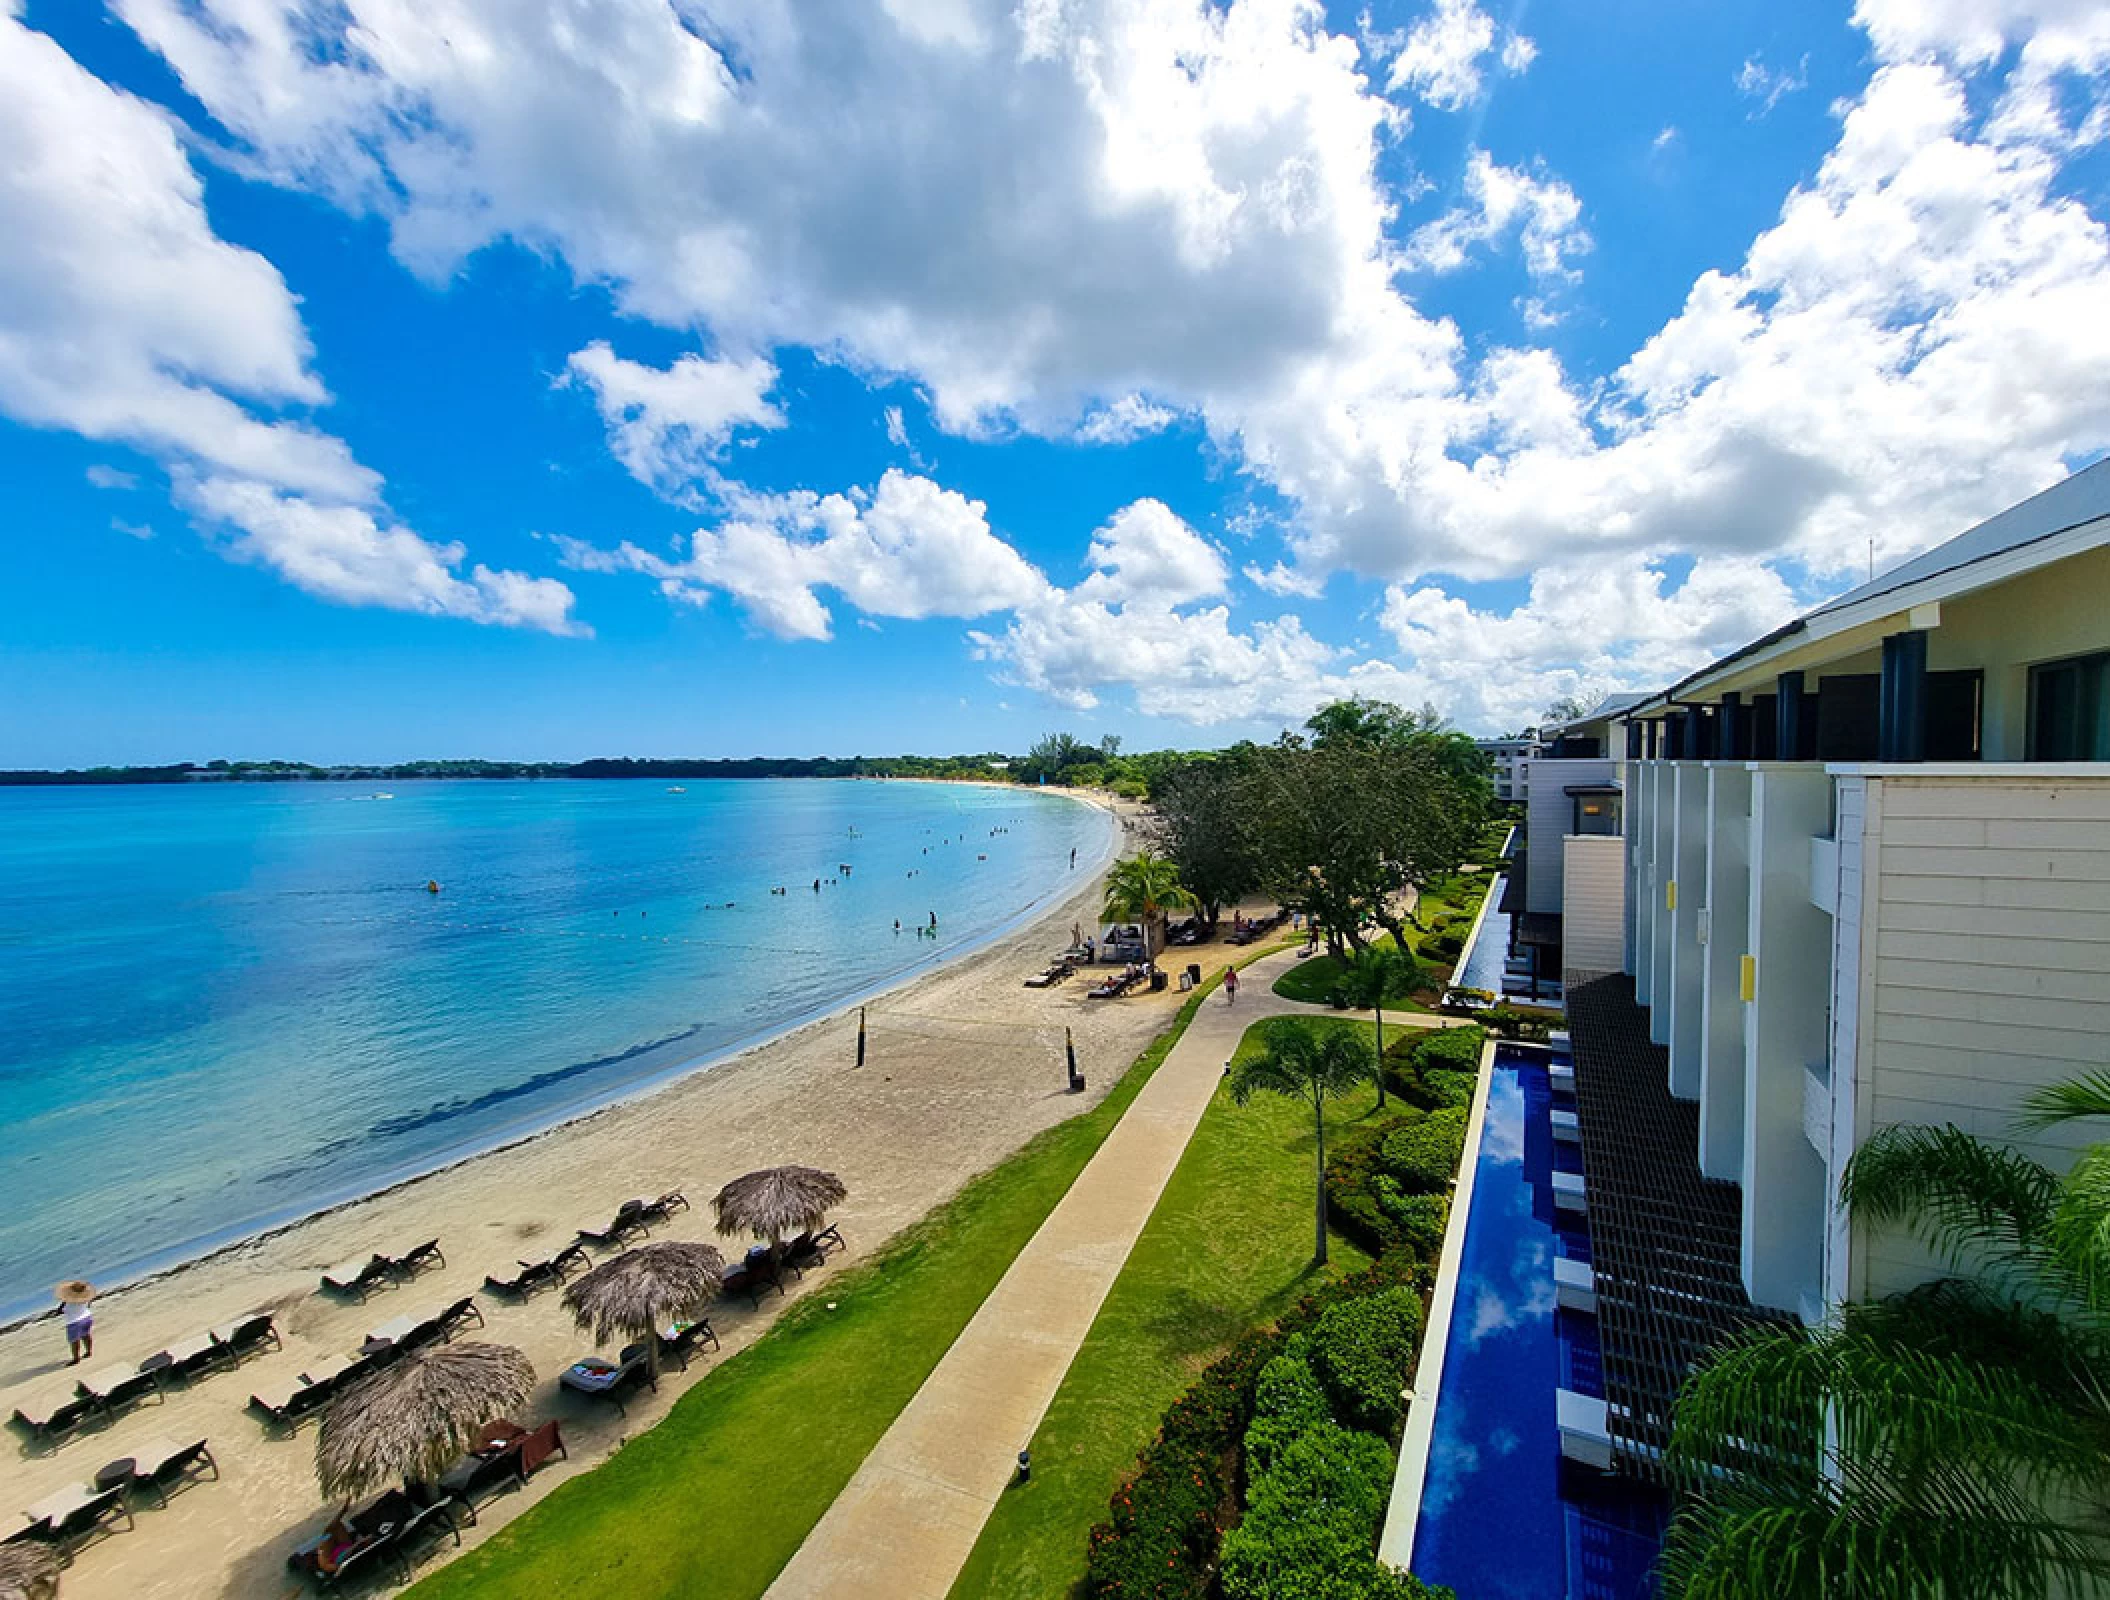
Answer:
(903, 1526)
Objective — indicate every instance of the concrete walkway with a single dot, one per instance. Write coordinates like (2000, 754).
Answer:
(903, 1526)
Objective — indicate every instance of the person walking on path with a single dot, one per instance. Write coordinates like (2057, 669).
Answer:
(1230, 986)
(77, 1309)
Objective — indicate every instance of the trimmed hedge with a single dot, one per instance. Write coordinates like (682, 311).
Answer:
(1287, 1400)
(1315, 1512)
(1416, 1221)
(1450, 1090)
(1164, 1525)
(1360, 1351)
(1450, 1049)
(1423, 1156)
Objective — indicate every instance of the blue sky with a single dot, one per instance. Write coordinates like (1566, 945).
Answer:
(382, 380)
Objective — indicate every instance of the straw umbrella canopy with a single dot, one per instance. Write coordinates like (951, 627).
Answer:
(417, 1416)
(28, 1572)
(637, 1293)
(777, 1201)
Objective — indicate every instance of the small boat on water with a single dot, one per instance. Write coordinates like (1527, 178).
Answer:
(432, 886)
(380, 794)
(675, 788)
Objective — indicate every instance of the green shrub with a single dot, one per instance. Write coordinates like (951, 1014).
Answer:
(1449, 1089)
(1415, 1222)
(1360, 1350)
(1354, 1161)
(1287, 1401)
(1423, 1156)
(1163, 1525)
(1313, 1513)
(1443, 947)
(1457, 1049)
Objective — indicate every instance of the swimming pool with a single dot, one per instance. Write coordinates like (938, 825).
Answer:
(1503, 1516)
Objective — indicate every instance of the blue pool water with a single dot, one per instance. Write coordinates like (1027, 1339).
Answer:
(1482, 967)
(1503, 1517)
(224, 1005)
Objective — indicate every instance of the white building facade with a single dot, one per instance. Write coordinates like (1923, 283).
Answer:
(1867, 879)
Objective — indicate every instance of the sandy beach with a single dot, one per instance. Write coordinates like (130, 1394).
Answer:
(964, 1065)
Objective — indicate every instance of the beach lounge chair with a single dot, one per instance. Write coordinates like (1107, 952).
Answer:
(416, 1260)
(118, 1389)
(572, 1258)
(610, 1380)
(458, 1316)
(679, 1339)
(191, 1358)
(248, 1335)
(50, 1424)
(672, 1201)
(376, 1530)
(357, 1276)
(612, 1237)
(161, 1468)
(480, 1479)
(287, 1406)
(519, 1285)
(539, 1446)
(757, 1272)
(76, 1517)
(417, 1537)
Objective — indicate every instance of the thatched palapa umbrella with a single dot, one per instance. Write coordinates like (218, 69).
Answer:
(639, 1292)
(417, 1416)
(28, 1572)
(777, 1201)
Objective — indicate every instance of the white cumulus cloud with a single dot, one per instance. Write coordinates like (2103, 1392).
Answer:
(1443, 58)
(668, 424)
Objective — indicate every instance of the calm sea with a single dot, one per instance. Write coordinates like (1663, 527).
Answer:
(223, 1006)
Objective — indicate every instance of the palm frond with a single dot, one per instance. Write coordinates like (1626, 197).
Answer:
(1964, 1197)
(1730, 1544)
(2077, 1237)
(2085, 1096)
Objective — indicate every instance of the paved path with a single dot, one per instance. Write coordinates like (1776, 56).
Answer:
(903, 1526)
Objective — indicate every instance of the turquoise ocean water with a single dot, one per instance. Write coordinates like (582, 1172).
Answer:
(225, 1006)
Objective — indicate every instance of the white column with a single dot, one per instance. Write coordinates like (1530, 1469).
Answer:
(1641, 856)
(1663, 939)
(1784, 1031)
(1722, 1006)
(1688, 878)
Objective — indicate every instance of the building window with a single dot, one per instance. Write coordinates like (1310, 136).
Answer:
(2069, 709)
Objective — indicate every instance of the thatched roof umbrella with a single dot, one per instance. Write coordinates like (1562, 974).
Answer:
(417, 1416)
(777, 1201)
(28, 1572)
(635, 1294)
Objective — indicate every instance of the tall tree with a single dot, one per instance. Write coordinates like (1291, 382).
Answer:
(1142, 889)
(1201, 817)
(1315, 1065)
(1947, 1442)
(1365, 983)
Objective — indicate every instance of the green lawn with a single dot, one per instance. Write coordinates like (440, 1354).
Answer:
(1312, 980)
(717, 1497)
(1228, 1248)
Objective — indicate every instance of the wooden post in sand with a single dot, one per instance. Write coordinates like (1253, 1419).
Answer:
(860, 1036)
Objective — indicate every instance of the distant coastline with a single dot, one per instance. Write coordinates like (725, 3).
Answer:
(990, 768)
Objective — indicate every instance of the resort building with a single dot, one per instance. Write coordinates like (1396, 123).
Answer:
(1866, 881)
(1511, 760)
(1569, 880)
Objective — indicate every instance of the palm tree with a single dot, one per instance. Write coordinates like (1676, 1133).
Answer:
(1950, 1441)
(1142, 889)
(1374, 973)
(1302, 1062)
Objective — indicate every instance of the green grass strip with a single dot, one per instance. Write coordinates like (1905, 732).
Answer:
(1312, 981)
(717, 1497)
(1228, 1248)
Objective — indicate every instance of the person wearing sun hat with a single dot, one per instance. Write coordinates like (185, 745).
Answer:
(76, 1306)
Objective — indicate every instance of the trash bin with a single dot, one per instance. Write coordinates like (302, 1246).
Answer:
(1157, 982)
(1194, 974)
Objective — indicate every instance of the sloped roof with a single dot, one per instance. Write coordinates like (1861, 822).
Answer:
(2071, 503)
